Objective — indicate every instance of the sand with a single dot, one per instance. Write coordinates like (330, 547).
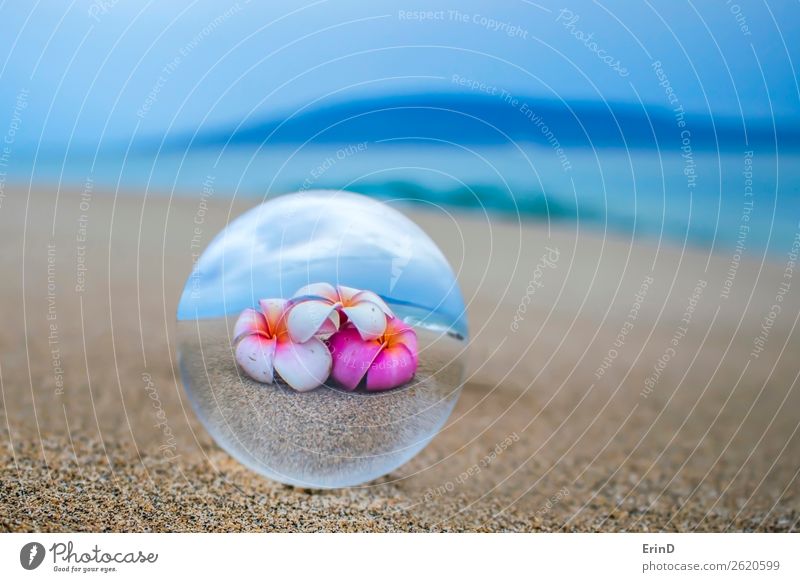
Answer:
(327, 437)
(566, 422)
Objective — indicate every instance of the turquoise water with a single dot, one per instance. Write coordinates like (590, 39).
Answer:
(698, 200)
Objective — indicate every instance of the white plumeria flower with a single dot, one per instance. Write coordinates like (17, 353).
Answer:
(265, 346)
(322, 302)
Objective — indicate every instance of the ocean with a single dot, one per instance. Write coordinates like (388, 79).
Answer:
(746, 201)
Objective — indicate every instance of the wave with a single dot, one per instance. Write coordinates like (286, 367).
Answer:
(482, 198)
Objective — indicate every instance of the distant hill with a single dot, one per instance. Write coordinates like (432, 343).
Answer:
(469, 119)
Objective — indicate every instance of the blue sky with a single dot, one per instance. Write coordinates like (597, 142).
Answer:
(97, 71)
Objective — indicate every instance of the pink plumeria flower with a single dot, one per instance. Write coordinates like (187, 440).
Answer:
(387, 361)
(364, 309)
(264, 346)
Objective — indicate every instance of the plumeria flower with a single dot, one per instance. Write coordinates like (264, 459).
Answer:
(387, 361)
(264, 346)
(364, 309)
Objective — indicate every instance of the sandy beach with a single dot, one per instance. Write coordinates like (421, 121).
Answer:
(612, 384)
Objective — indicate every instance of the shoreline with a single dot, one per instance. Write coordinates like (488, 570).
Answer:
(659, 202)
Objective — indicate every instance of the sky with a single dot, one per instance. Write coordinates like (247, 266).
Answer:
(102, 71)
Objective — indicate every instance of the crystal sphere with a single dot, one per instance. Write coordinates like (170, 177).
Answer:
(345, 426)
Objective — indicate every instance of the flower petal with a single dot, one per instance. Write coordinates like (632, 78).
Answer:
(368, 319)
(273, 310)
(255, 354)
(330, 326)
(303, 366)
(325, 290)
(250, 321)
(393, 367)
(346, 294)
(399, 332)
(307, 318)
(352, 356)
(374, 298)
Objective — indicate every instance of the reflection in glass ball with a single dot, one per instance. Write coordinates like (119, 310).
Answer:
(321, 339)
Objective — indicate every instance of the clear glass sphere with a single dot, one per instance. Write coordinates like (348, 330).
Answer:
(328, 436)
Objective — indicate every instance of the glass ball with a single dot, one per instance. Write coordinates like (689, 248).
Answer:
(330, 265)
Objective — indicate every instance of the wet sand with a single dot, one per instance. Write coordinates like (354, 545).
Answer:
(612, 385)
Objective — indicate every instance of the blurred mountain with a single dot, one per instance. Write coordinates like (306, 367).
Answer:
(484, 119)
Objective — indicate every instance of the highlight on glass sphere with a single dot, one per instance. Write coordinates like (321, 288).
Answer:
(321, 339)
